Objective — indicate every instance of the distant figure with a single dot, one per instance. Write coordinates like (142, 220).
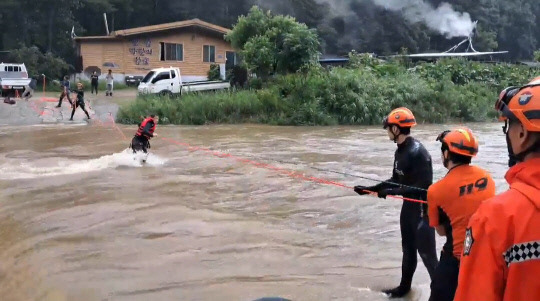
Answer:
(65, 92)
(94, 82)
(79, 102)
(29, 89)
(110, 83)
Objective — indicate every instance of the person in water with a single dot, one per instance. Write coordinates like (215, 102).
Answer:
(141, 140)
(412, 175)
(79, 102)
(501, 253)
(451, 203)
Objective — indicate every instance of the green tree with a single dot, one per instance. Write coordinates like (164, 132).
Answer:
(38, 63)
(273, 44)
(537, 55)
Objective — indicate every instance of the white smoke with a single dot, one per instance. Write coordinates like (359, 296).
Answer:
(443, 19)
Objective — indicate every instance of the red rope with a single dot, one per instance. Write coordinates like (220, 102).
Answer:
(283, 171)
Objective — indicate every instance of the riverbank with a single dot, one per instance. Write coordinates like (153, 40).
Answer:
(41, 108)
(360, 94)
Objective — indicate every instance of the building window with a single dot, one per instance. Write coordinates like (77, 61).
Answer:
(172, 52)
(209, 54)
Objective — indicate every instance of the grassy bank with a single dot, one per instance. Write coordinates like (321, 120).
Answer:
(360, 94)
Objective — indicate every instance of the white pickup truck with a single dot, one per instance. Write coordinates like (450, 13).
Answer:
(13, 77)
(168, 81)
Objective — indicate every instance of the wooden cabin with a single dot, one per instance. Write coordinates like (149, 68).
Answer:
(191, 45)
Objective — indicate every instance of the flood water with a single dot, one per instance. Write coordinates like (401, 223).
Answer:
(81, 220)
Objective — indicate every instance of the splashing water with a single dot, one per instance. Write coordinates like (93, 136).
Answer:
(25, 170)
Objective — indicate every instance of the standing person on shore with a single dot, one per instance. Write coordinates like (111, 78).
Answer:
(65, 92)
(501, 254)
(94, 82)
(110, 83)
(413, 169)
(451, 203)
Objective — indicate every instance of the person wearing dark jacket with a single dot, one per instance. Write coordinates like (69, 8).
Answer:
(65, 92)
(79, 102)
(94, 82)
(141, 140)
(411, 176)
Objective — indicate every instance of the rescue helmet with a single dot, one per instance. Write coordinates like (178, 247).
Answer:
(521, 104)
(401, 117)
(459, 141)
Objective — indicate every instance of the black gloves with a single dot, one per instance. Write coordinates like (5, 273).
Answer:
(362, 190)
(383, 193)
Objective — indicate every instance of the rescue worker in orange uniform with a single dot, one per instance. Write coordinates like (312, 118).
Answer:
(501, 254)
(411, 176)
(141, 140)
(451, 203)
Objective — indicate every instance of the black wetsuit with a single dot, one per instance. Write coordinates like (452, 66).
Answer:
(142, 142)
(412, 167)
(79, 103)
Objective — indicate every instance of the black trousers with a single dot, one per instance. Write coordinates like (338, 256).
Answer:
(445, 281)
(64, 94)
(140, 143)
(416, 236)
(94, 87)
(79, 104)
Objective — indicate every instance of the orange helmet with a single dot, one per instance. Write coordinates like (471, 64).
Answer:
(401, 117)
(521, 104)
(460, 141)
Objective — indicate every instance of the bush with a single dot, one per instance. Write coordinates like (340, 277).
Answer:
(214, 72)
(237, 76)
(363, 93)
(220, 107)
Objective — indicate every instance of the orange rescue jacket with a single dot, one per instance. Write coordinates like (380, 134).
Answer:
(454, 199)
(501, 254)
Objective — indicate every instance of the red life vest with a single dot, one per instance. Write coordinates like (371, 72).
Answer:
(143, 124)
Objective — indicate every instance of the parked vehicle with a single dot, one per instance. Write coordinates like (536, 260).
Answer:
(168, 81)
(13, 77)
(133, 80)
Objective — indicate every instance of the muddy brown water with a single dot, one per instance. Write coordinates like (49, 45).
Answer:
(81, 220)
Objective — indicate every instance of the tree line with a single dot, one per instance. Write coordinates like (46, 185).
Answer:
(358, 24)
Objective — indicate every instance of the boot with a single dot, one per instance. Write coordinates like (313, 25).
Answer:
(397, 292)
